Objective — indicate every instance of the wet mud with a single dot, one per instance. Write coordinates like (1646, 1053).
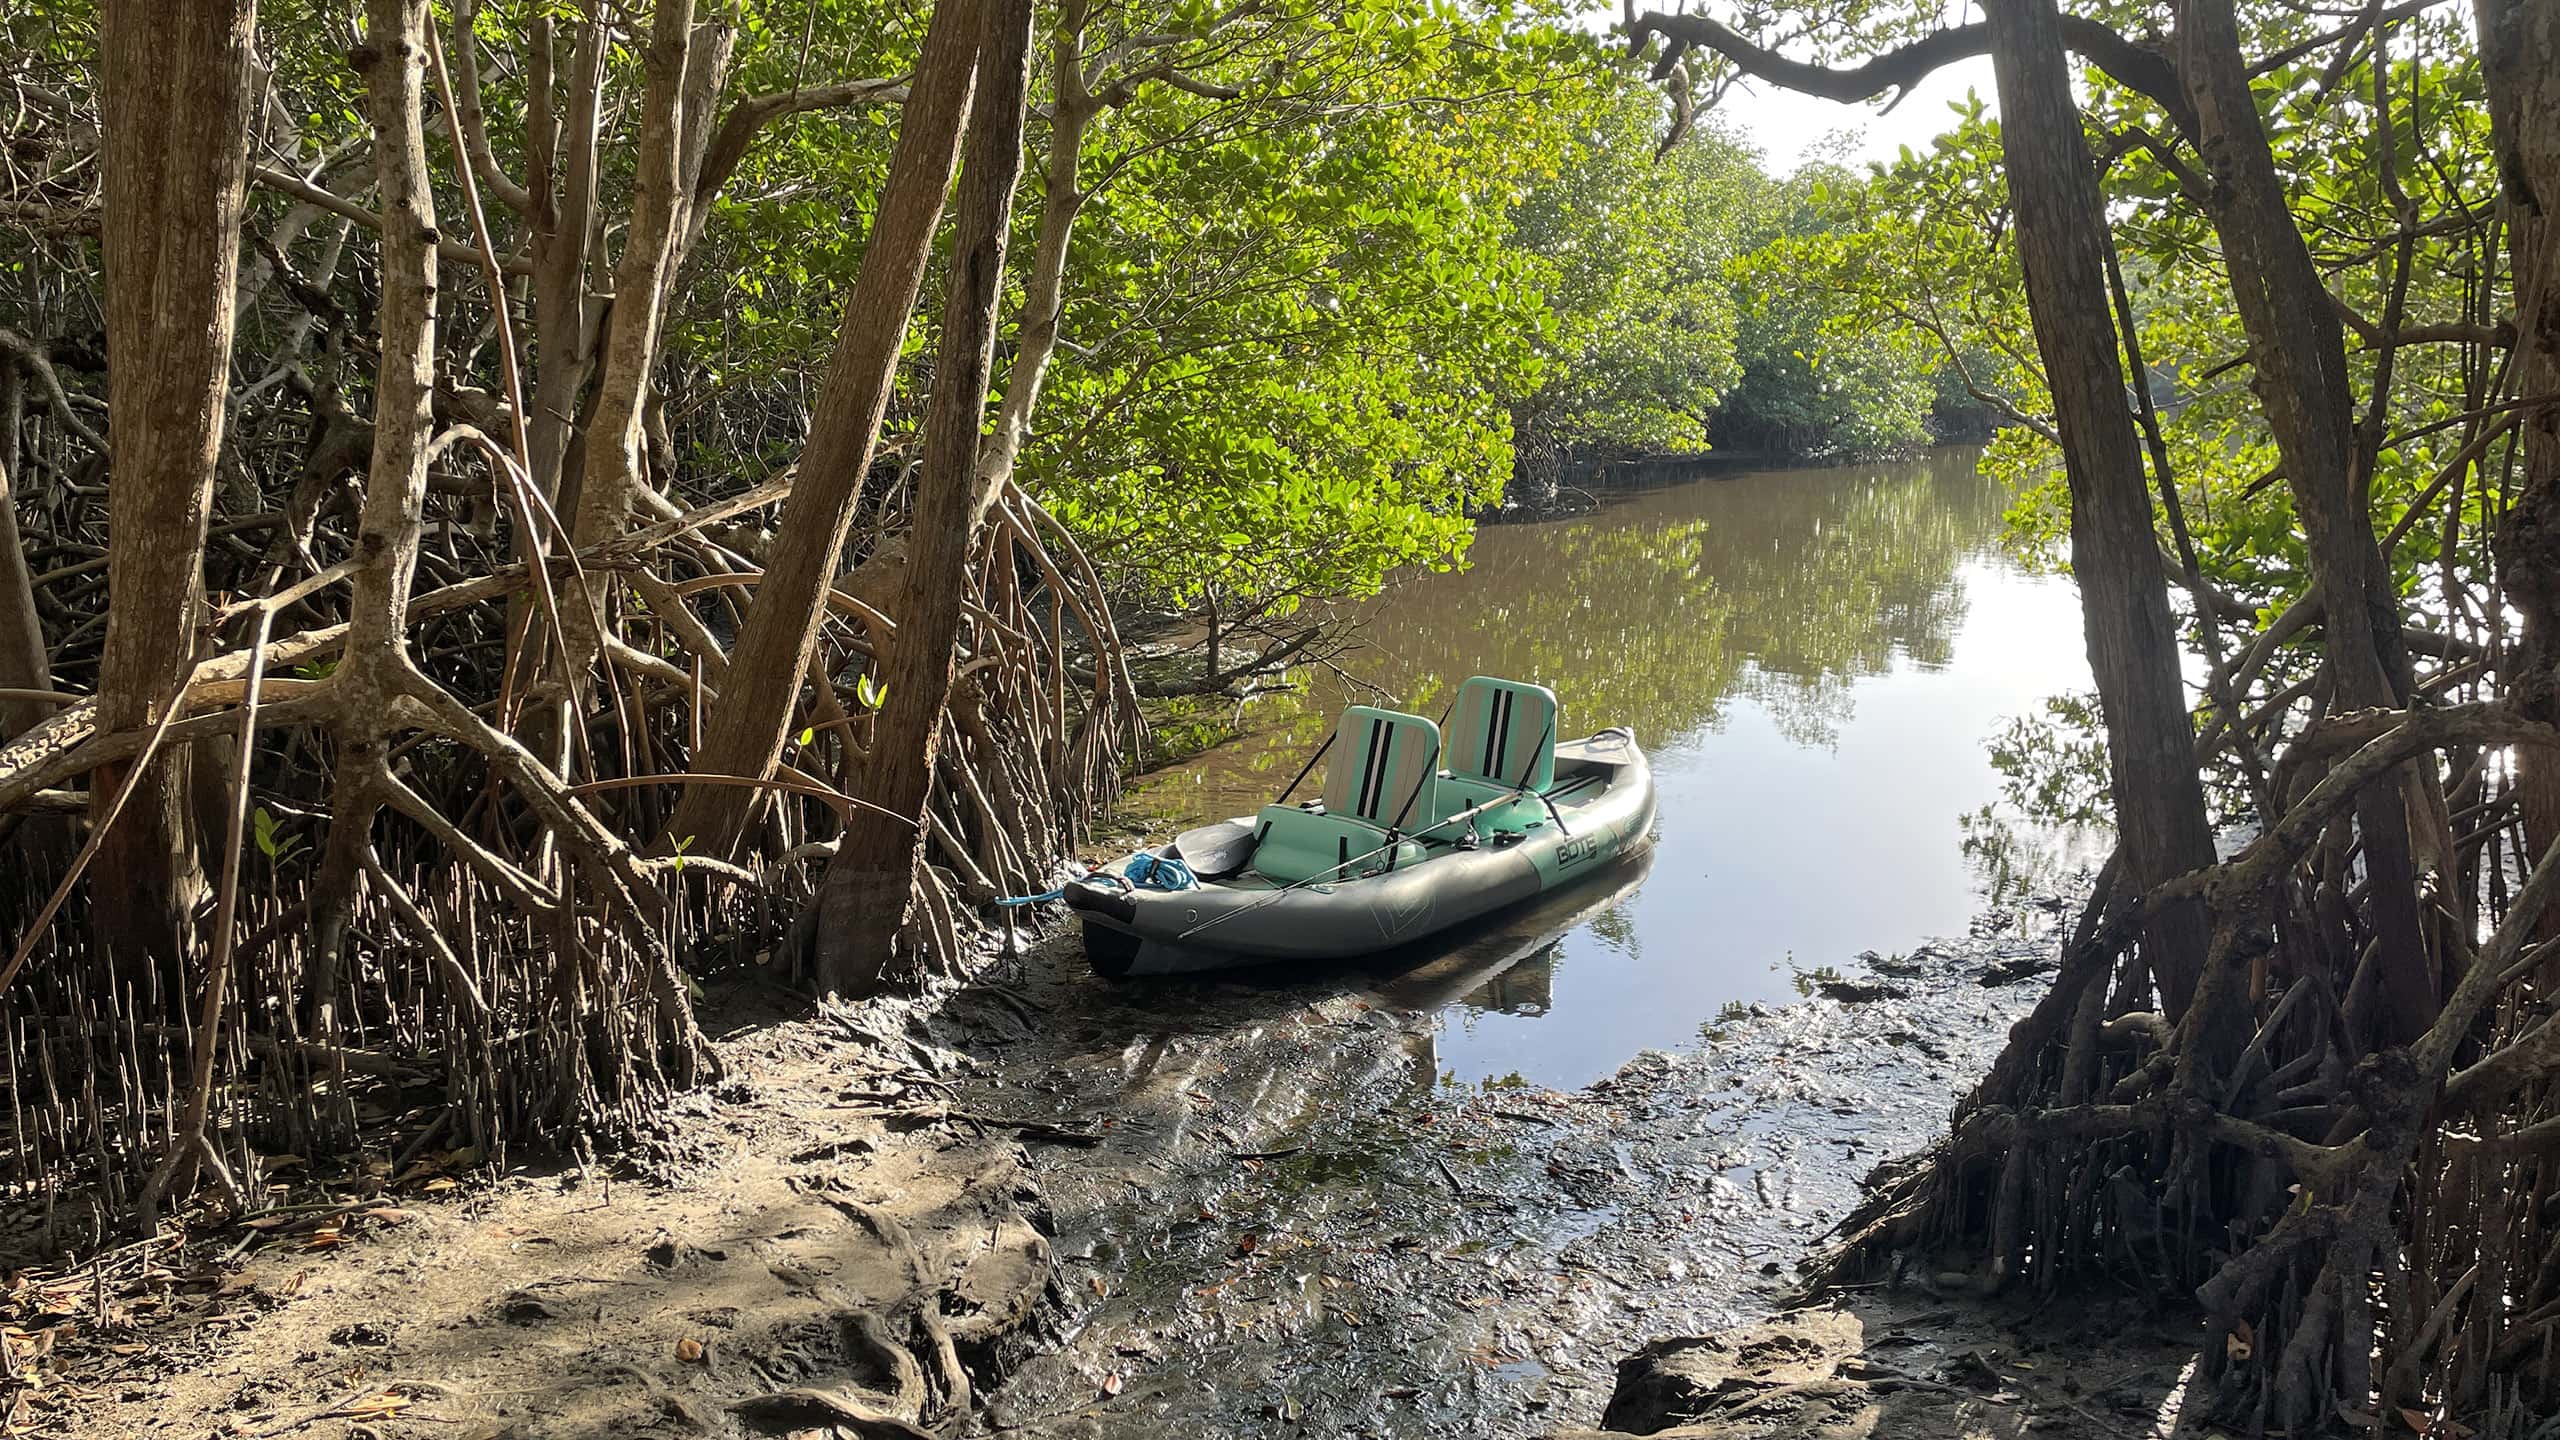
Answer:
(1280, 1217)
(1044, 1204)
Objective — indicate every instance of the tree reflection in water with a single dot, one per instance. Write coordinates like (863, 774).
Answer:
(1815, 660)
(1784, 588)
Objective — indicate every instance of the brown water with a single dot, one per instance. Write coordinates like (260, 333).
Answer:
(1814, 659)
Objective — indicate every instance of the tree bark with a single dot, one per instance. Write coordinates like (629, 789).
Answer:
(745, 729)
(24, 663)
(1044, 291)
(2115, 552)
(2297, 349)
(2520, 69)
(560, 178)
(174, 101)
(376, 667)
(869, 886)
(640, 285)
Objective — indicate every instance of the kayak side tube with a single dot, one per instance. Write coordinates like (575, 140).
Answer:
(1604, 808)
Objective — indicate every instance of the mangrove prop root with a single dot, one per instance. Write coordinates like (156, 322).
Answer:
(2298, 1180)
(511, 932)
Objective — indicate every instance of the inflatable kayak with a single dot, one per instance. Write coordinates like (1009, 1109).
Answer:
(1416, 831)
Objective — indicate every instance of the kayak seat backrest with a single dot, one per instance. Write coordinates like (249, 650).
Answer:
(1503, 732)
(1502, 735)
(1384, 774)
(1384, 765)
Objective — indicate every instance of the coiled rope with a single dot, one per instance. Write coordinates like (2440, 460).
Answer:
(1145, 871)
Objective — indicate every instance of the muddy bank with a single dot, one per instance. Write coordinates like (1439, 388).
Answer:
(1899, 1366)
(1292, 1223)
(817, 1247)
(1045, 1205)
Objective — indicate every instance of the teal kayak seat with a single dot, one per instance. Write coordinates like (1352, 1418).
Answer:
(1503, 732)
(1502, 738)
(1384, 776)
(1302, 845)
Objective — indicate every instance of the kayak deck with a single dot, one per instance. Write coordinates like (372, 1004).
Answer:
(1597, 803)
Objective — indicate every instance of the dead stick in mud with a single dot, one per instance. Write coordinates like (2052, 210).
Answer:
(193, 1147)
(1451, 1176)
(1028, 1129)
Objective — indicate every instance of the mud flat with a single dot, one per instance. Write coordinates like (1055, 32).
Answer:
(812, 1246)
(1050, 1206)
(1291, 1224)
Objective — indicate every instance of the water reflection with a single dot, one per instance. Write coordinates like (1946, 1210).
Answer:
(1527, 988)
(1814, 659)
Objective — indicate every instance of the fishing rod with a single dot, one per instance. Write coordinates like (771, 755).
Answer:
(1530, 768)
(1306, 769)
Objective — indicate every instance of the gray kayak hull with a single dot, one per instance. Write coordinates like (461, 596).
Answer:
(1248, 920)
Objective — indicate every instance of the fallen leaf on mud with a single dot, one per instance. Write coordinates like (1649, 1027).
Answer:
(1111, 1384)
(324, 1238)
(440, 1184)
(692, 1351)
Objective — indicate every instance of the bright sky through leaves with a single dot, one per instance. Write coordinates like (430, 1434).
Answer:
(1789, 129)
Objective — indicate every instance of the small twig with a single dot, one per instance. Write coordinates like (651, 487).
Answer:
(1451, 1176)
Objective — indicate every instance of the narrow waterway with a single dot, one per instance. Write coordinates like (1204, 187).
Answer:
(1442, 1191)
(1815, 660)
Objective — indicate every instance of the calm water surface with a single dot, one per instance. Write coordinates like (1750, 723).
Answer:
(1813, 658)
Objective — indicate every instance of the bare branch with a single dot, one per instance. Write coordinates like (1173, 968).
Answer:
(474, 120)
(738, 128)
(31, 357)
(284, 183)
(2132, 64)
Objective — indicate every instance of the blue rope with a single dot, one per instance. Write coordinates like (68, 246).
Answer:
(1150, 871)
(1145, 871)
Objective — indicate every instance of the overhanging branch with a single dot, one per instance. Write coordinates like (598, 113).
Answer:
(739, 126)
(2130, 63)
